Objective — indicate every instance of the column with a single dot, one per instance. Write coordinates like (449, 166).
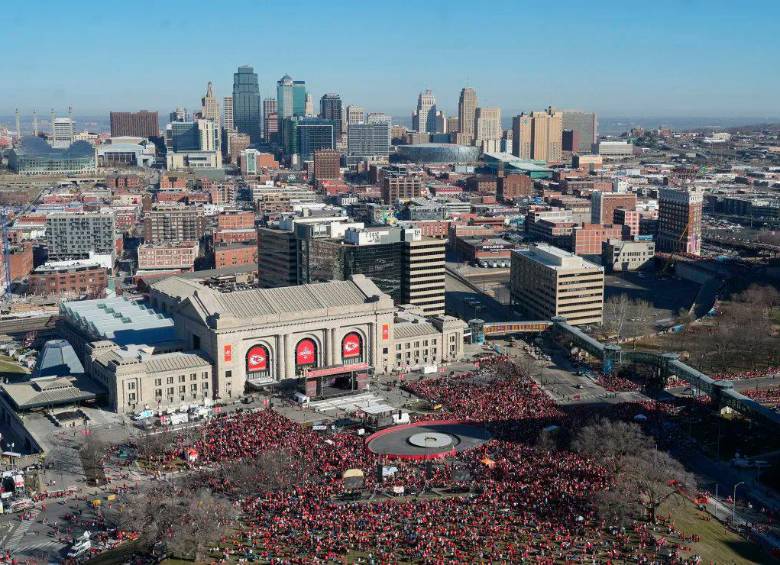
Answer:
(335, 354)
(279, 358)
(288, 370)
(327, 346)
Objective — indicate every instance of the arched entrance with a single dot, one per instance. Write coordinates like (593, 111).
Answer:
(258, 362)
(352, 349)
(306, 355)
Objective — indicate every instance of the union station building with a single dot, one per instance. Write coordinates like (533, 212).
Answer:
(322, 339)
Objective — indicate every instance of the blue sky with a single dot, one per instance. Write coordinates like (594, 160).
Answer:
(659, 58)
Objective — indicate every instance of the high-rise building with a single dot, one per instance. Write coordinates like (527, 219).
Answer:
(424, 118)
(585, 126)
(488, 129)
(76, 235)
(179, 115)
(521, 136)
(330, 109)
(284, 97)
(452, 124)
(247, 117)
(299, 99)
(270, 119)
(227, 113)
(538, 136)
(62, 133)
(355, 115)
(467, 113)
(368, 141)
(327, 164)
(134, 124)
(679, 220)
(193, 145)
(302, 136)
(441, 122)
(546, 281)
(604, 204)
(422, 281)
(277, 258)
(210, 107)
(309, 111)
(173, 222)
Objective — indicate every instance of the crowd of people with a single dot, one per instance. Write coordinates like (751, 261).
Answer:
(768, 396)
(616, 383)
(523, 502)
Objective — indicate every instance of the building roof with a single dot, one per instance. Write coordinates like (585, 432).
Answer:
(51, 391)
(117, 319)
(405, 330)
(58, 359)
(556, 258)
(176, 361)
(33, 146)
(271, 303)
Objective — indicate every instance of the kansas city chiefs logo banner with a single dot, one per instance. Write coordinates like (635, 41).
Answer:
(350, 347)
(257, 359)
(305, 352)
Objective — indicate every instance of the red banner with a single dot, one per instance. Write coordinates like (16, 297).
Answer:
(257, 359)
(385, 332)
(305, 352)
(228, 353)
(350, 346)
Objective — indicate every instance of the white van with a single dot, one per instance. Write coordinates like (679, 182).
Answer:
(301, 398)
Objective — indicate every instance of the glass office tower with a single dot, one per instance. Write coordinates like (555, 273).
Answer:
(247, 117)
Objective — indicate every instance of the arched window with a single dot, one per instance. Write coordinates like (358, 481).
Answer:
(258, 362)
(352, 348)
(305, 354)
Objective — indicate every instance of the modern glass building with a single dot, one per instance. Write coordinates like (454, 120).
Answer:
(368, 141)
(303, 136)
(438, 153)
(36, 157)
(330, 109)
(290, 97)
(247, 111)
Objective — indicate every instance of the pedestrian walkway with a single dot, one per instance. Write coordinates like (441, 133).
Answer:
(13, 542)
(347, 404)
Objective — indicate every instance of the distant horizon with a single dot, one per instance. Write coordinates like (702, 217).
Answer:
(665, 59)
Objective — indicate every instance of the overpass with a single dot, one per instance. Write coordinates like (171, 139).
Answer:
(722, 393)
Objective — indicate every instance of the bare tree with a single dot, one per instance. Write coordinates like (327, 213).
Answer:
(92, 453)
(269, 471)
(152, 446)
(644, 477)
(626, 317)
(177, 520)
(611, 443)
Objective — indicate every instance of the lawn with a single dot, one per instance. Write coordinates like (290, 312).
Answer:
(717, 544)
(8, 365)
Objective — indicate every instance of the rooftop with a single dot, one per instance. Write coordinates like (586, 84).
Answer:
(556, 258)
(58, 359)
(117, 319)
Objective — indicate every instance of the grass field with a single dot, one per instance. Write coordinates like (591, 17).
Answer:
(8, 366)
(717, 544)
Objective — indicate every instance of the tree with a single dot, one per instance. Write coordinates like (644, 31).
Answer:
(627, 317)
(644, 478)
(176, 520)
(92, 453)
(270, 471)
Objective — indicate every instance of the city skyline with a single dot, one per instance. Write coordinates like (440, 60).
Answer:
(601, 58)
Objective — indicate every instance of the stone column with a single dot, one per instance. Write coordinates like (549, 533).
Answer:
(335, 354)
(288, 369)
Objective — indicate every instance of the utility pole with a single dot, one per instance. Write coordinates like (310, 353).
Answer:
(734, 504)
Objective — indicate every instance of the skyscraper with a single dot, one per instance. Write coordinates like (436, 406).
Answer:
(284, 97)
(299, 98)
(585, 126)
(467, 112)
(303, 136)
(368, 141)
(538, 136)
(210, 106)
(488, 129)
(227, 112)
(330, 109)
(247, 117)
(424, 118)
(309, 112)
(270, 121)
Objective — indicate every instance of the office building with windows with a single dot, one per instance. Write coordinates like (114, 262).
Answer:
(247, 117)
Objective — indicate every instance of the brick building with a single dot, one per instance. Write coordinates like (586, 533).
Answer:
(512, 187)
(69, 279)
(167, 256)
(233, 254)
(588, 239)
(327, 164)
(482, 183)
(173, 222)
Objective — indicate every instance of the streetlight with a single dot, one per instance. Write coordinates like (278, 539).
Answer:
(734, 504)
